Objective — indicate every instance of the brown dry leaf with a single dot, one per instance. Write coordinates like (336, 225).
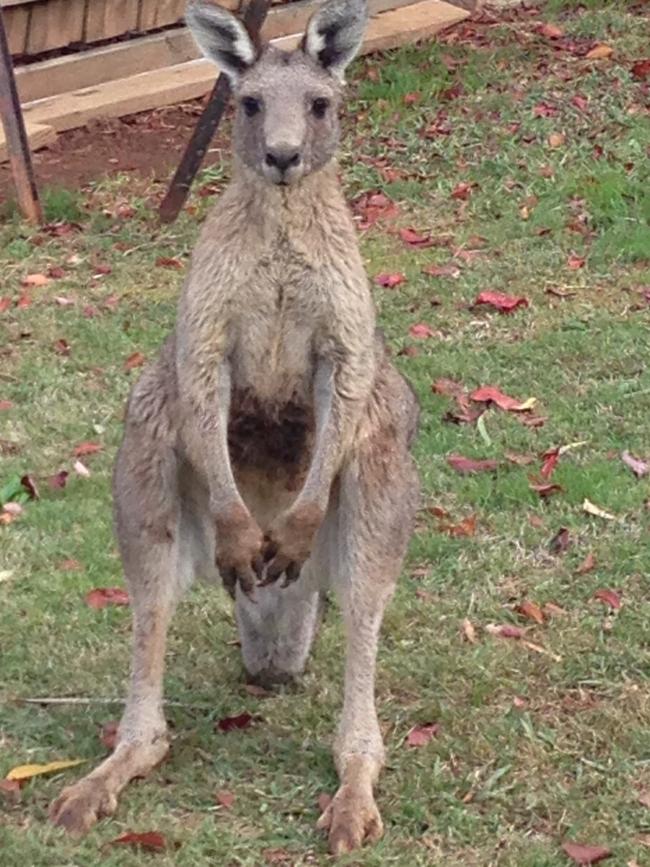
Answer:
(520, 460)
(469, 631)
(224, 798)
(550, 31)
(608, 597)
(599, 52)
(587, 564)
(556, 139)
(467, 527)
(150, 841)
(560, 542)
(87, 448)
(504, 630)
(256, 691)
(551, 609)
(420, 735)
(584, 854)
(530, 610)
(35, 280)
(136, 359)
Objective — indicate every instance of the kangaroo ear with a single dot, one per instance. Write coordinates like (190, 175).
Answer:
(334, 34)
(221, 37)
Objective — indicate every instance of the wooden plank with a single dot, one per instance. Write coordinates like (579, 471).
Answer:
(196, 77)
(38, 136)
(160, 13)
(144, 54)
(108, 18)
(55, 23)
(17, 26)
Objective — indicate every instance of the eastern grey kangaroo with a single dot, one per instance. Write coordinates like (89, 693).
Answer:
(270, 439)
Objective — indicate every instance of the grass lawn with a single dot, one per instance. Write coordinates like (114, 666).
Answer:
(527, 164)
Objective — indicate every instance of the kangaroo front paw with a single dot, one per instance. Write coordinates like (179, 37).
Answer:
(289, 542)
(239, 546)
(351, 819)
(81, 805)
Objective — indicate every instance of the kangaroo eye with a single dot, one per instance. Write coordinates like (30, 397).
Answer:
(319, 106)
(250, 105)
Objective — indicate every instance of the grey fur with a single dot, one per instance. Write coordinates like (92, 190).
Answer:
(271, 438)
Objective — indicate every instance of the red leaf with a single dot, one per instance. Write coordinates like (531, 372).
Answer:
(56, 272)
(390, 281)
(587, 564)
(421, 331)
(579, 101)
(136, 359)
(224, 798)
(169, 262)
(108, 734)
(551, 457)
(545, 490)
(470, 465)
(641, 69)
(100, 597)
(419, 736)
(448, 270)
(576, 262)
(500, 301)
(372, 207)
(415, 239)
(59, 480)
(505, 630)
(462, 191)
(638, 467)
(608, 597)
(5, 304)
(491, 394)
(560, 542)
(531, 610)
(87, 448)
(230, 723)
(24, 301)
(5, 405)
(467, 527)
(61, 346)
(412, 98)
(583, 854)
(544, 109)
(150, 841)
(550, 31)
(11, 790)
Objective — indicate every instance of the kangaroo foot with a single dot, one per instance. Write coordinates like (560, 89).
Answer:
(351, 819)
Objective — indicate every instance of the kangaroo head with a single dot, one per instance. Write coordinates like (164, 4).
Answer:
(286, 122)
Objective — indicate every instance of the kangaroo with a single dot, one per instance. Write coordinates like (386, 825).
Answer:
(270, 439)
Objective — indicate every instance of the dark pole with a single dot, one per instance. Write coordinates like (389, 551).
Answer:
(254, 15)
(15, 135)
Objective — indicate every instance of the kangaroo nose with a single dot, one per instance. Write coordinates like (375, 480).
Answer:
(282, 158)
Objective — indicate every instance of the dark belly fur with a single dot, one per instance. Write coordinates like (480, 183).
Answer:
(276, 439)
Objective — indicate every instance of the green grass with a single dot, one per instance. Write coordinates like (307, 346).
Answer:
(506, 781)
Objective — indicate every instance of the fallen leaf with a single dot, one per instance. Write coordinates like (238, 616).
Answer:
(531, 611)
(390, 281)
(415, 239)
(587, 564)
(551, 457)
(59, 480)
(24, 301)
(257, 691)
(231, 723)
(469, 631)
(471, 465)
(556, 139)
(81, 469)
(608, 597)
(462, 191)
(644, 798)
(5, 405)
(61, 346)
(500, 301)
(579, 101)
(63, 301)
(35, 280)
(87, 448)
(224, 798)
(584, 854)
(13, 509)
(639, 468)
(520, 460)
(448, 387)
(491, 394)
(421, 331)
(29, 485)
(599, 52)
(26, 772)
(545, 109)
(169, 262)
(412, 98)
(550, 31)
(505, 630)
(560, 542)
(575, 262)
(467, 527)
(419, 736)
(56, 272)
(150, 841)
(641, 69)
(136, 359)
(545, 489)
(448, 270)
(592, 509)
(551, 609)
(11, 790)
(5, 304)
(100, 597)
(108, 734)
(372, 207)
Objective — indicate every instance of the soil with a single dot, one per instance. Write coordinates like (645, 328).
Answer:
(149, 145)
